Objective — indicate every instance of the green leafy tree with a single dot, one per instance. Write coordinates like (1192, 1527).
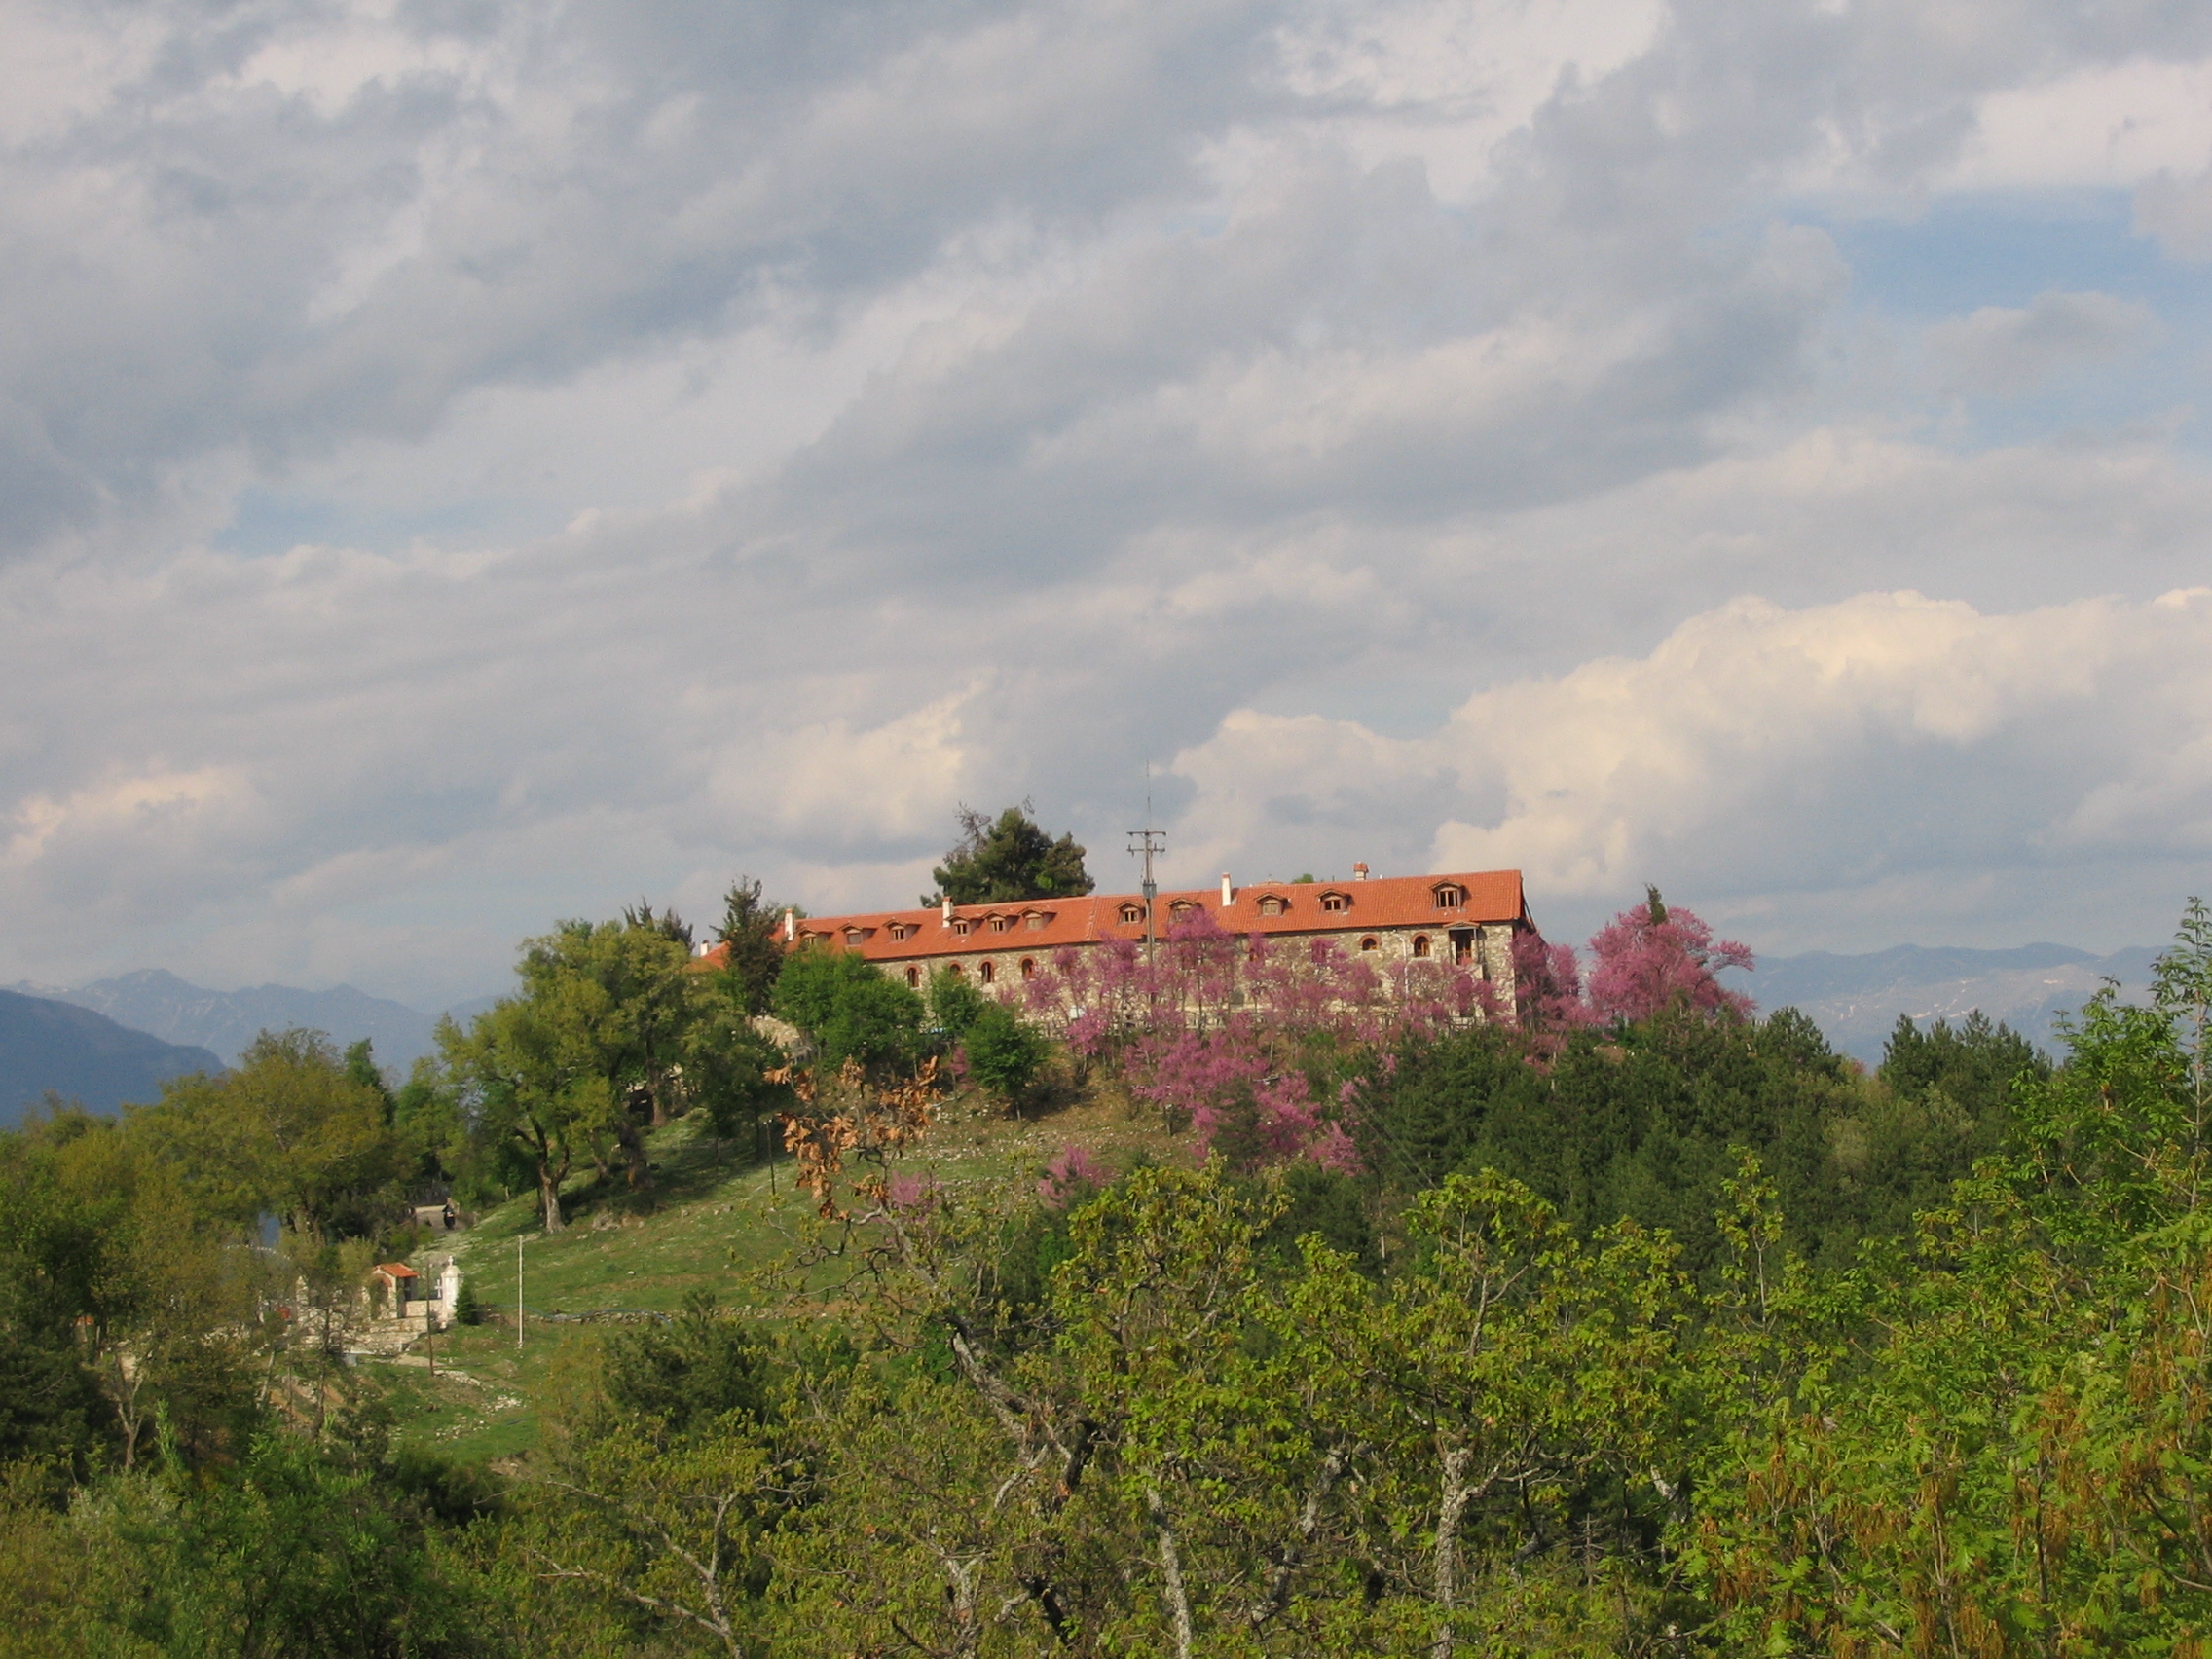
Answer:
(851, 1010)
(1007, 859)
(291, 1131)
(752, 930)
(532, 1073)
(1005, 1053)
(956, 1003)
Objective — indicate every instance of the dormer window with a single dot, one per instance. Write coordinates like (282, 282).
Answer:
(1451, 896)
(1272, 904)
(855, 938)
(1035, 920)
(961, 925)
(1000, 924)
(901, 930)
(1335, 904)
(1131, 916)
(1180, 911)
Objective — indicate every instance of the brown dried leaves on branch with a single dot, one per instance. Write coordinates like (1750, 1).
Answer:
(849, 1117)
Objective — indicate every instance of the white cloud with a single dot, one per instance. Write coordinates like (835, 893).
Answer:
(2117, 123)
(1867, 748)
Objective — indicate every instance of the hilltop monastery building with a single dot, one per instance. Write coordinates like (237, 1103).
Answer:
(1466, 919)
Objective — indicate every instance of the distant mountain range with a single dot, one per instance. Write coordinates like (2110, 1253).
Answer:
(1857, 999)
(156, 1001)
(82, 1055)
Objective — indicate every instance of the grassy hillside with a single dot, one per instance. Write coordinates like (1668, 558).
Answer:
(716, 1222)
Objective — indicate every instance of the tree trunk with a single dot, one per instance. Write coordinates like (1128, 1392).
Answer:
(638, 1171)
(549, 1196)
(1451, 1510)
(1170, 1570)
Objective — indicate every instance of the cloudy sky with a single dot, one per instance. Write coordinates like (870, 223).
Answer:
(465, 464)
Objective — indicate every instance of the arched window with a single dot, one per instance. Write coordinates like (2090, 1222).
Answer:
(988, 972)
(1273, 904)
(1028, 967)
(855, 938)
(914, 978)
(956, 970)
(1371, 942)
(961, 925)
(1451, 896)
(1035, 920)
(1000, 924)
(1336, 902)
(1131, 916)
(1420, 944)
(901, 930)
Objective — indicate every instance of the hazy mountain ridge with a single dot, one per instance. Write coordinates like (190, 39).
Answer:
(154, 1001)
(82, 1055)
(1857, 999)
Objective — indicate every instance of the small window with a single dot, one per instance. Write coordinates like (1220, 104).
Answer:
(1273, 904)
(914, 978)
(1371, 942)
(1336, 902)
(961, 925)
(1450, 897)
(988, 972)
(1028, 967)
(901, 930)
(956, 970)
(1420, 944)
(1181, 911)
(1035, 921)
(855, 938)
(1000, 924)
(1131, 916)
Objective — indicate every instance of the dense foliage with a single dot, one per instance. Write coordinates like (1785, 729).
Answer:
(1633, 1324)
(1007, 859)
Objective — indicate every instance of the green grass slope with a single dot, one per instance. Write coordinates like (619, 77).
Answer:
(715, 1221)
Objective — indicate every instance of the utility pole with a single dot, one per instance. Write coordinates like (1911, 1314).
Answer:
(1147, 842)
(518, 1295)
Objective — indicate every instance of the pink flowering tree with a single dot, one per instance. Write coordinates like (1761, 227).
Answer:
(1651, 959)
(1072, 1177)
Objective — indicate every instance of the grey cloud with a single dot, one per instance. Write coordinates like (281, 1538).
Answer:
(2178, 212)
(2004, 351)
(1182, 403)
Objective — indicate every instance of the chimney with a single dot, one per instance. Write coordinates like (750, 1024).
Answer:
(1228, 893)
(790, 925)
(1359, 872)
(946, 916)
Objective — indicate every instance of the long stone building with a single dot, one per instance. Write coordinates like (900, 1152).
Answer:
(1468, 919)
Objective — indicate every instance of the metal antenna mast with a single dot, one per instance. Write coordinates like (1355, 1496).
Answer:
(1146, 842)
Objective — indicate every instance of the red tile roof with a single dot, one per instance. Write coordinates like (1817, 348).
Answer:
(1046, 924)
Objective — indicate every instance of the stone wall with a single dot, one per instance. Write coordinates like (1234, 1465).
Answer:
(1491, 958)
